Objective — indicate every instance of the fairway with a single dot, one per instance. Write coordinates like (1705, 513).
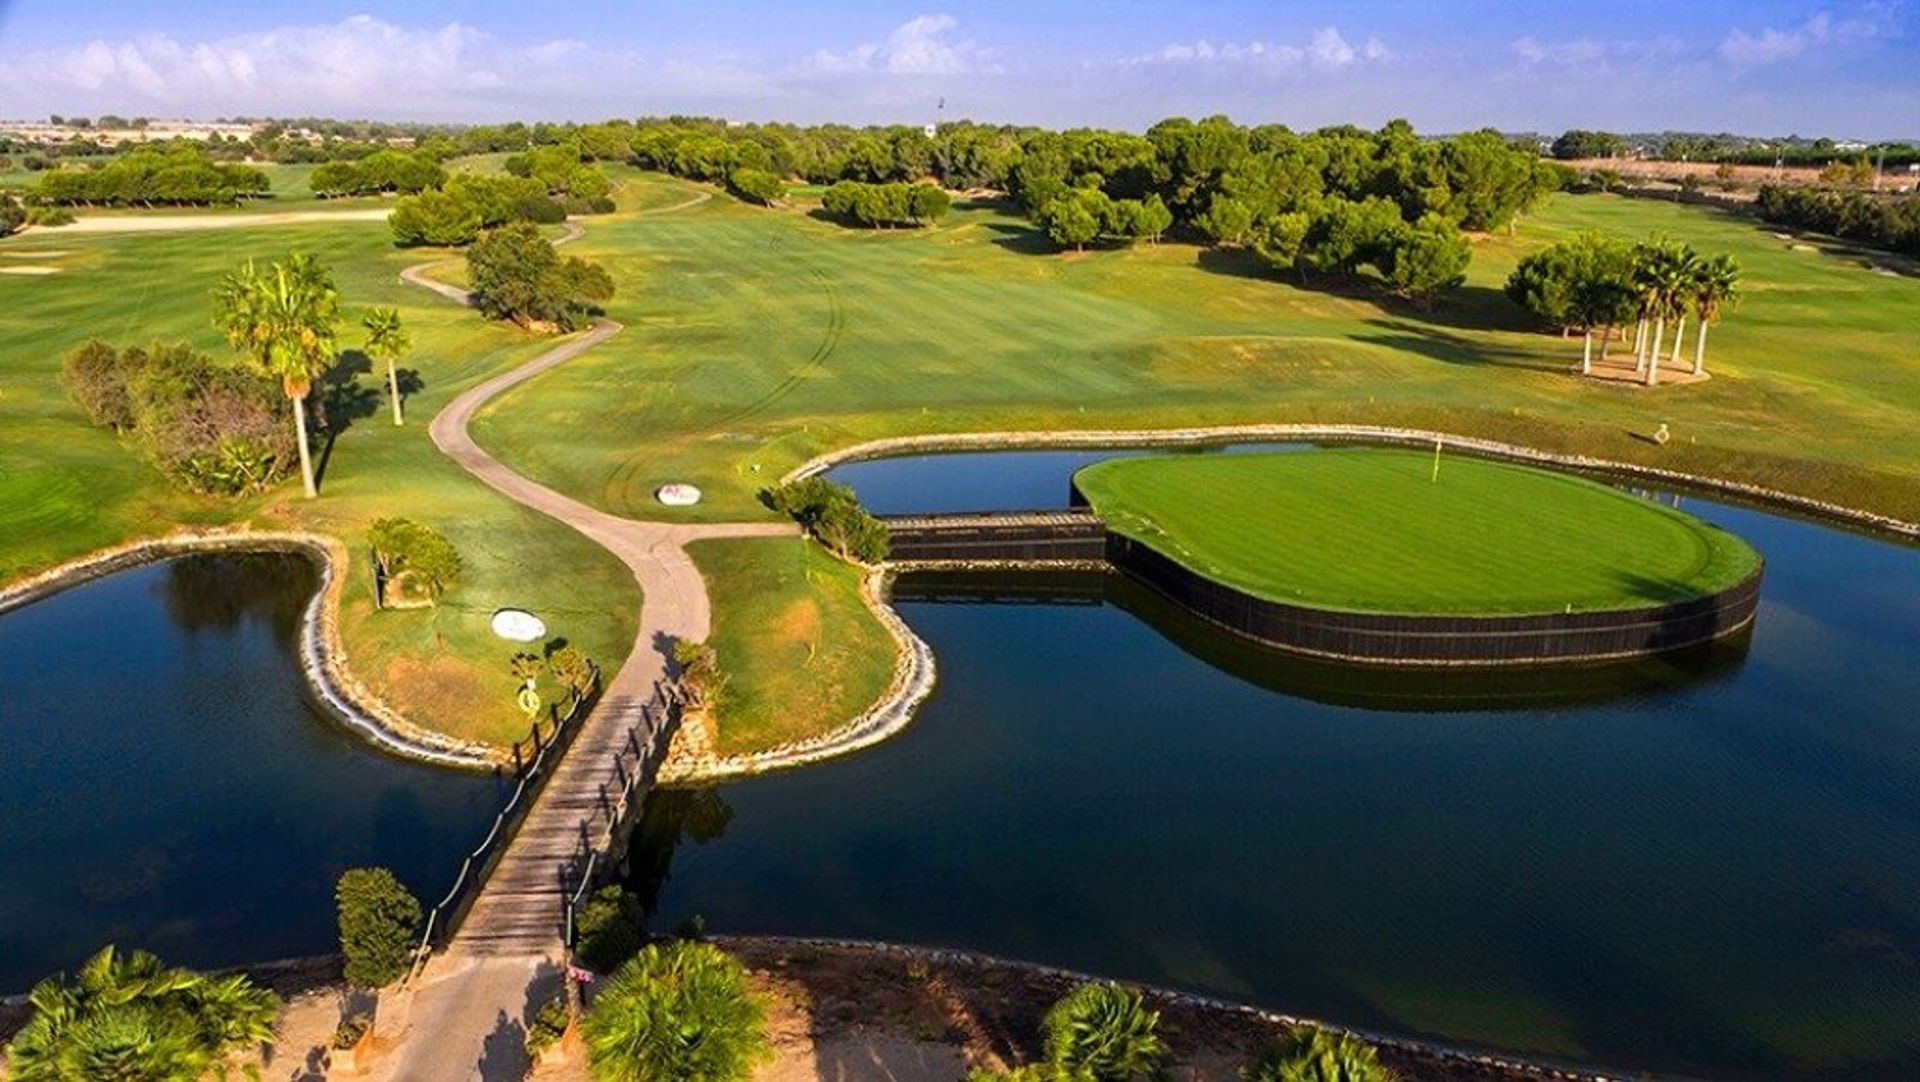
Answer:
(1376, 530)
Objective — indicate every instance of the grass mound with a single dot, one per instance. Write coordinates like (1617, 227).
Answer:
(1374, 530)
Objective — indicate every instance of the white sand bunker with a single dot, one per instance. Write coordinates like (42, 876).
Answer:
(1804, 248)
(29, 270)
(34, 253)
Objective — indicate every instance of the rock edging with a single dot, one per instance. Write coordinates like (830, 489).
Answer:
(913, 680)
(323, 655)
(974, 960)
(1161, 437)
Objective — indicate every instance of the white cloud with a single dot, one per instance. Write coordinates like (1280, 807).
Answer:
(922, 45)
(1770, 44)
(1327, 50)
(1531, 50)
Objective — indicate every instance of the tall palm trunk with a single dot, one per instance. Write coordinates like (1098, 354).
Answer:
(1653, 355)
(1586, 352)
(1679, 335)
(1700, 351)
(1639, 342)
(393, 385)
(300, 437)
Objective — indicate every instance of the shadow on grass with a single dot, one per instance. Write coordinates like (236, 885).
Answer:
(341, 399)
(1021, 239)
(1439, 344)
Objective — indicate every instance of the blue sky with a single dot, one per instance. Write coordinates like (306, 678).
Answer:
(1847, 69)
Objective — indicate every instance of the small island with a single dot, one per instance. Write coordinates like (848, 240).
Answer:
(1400, 556)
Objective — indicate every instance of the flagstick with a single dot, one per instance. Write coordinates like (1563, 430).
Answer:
(1436, 460)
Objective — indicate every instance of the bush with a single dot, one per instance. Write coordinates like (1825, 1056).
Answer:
(211, 427)
(413, 557)
(832, 513)
(378, 920)
(549, 1024)
(1316, 1055)
(12, 215)
(1102, 1032)
(609, 929)
(49, 217)
(678, 1011)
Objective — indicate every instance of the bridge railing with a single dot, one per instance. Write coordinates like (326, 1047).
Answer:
(445, 916)
(634, 762)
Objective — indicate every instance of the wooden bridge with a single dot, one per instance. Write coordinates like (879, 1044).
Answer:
(1073, 535)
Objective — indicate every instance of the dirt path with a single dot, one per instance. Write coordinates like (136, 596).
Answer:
(465, 1017)
(181, 223)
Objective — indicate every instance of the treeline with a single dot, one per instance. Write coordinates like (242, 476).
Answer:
(179, 174)
(543, 187)
(208, 426)
(383, 171)
(1891, 222)
(876, 205)
(1729, 148)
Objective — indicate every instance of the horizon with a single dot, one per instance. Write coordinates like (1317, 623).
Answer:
(1762, 69)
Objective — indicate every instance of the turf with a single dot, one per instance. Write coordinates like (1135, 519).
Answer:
(798, 650)
(757, 338)
(1376, 530)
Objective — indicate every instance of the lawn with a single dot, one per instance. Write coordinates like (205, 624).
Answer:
(66, 488)
(1374, 530)
(759, 337)
(798, 650)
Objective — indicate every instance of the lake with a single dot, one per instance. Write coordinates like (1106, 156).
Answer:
(1707, 863)
(171, 785)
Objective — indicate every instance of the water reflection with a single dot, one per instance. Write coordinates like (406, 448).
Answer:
(669, 819)
(1426, 690)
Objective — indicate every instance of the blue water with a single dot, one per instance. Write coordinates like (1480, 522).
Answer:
(1707, 864)
(170, 786)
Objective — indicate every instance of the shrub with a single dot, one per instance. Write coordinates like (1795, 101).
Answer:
(756, 185)
(413, 557)
(49, 217)
(1102, 1032)
(832, 514)
(12, 215)
(549, 1023)
(378, 919)
(699, 669)
(677, 1011)
(609, 929)
(1316, 1055)
(96, 377)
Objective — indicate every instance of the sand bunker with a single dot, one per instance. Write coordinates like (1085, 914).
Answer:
(29, 270)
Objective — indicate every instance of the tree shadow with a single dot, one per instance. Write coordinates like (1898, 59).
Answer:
(339, 399)
(1022, 239)
(503, 1055)
(1408, 336)
(411, 383)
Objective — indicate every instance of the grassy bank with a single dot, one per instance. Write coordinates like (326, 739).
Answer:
(1374, 530)
(798, 649)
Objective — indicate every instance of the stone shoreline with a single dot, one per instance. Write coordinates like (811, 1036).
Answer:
(323, 655)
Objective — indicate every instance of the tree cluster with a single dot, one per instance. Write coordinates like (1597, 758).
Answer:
(456, 214)
(210, 427)
(579, 187)
(832, 513)
(1082, 216)
(379, 172)
(1593, 282)
(518, 275)
(756, 186)
(1578, 143)
(889, 204)
(414, 560)
(1891, 222)
(178, 174)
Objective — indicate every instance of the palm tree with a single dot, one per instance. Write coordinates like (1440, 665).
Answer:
(1658, 274)
(1104, 1033)
(676, 1011)
(1683, 283)
(1717, 288)
(128, 1017)
(1317, 1055)
(388, 341)
(283, 321)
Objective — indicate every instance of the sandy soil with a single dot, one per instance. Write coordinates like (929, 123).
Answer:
(178, 223)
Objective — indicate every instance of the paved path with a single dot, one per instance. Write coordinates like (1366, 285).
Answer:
(469, 1007)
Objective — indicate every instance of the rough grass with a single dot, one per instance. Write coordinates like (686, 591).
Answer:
(798, 649)
(1374, 530)
(67, 488)
(760, 337)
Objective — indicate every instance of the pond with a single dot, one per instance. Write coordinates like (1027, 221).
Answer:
(171, 786)
(1707, 863)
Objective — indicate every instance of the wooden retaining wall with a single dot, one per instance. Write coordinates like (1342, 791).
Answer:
(1020, 536)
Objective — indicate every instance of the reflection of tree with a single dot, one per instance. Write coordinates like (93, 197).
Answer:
(669, 817)
(219, 589)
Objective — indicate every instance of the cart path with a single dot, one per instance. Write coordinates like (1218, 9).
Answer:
(469, 1006)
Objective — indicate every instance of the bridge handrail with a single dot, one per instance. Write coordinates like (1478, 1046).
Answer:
(505, 822)
(667, 698)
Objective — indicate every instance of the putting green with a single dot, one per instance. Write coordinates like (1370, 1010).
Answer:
(1374, 530)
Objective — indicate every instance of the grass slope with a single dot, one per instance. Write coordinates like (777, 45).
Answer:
(760, 337)
(798, 649)
(1373, 530)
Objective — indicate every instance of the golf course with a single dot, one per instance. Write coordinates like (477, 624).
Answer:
(1371, 530)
